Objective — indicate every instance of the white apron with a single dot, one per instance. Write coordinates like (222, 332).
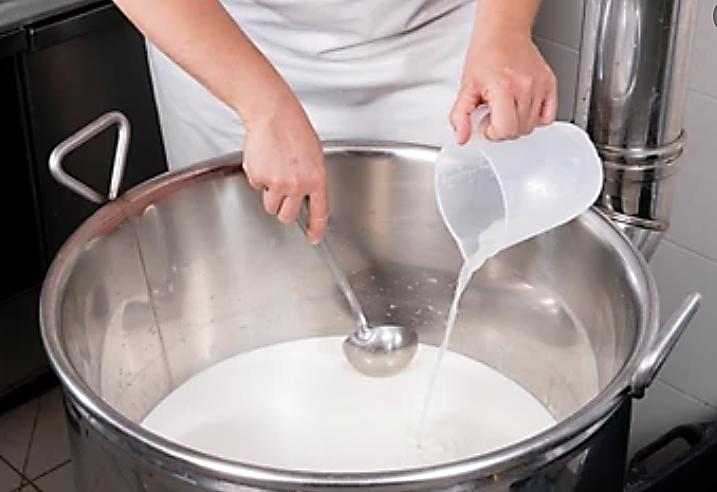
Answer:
(363, 69)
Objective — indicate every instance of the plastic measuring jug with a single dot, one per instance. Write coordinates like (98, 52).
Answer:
(493, 195)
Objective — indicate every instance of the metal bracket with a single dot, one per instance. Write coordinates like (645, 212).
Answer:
(663, 345)
(80, 137)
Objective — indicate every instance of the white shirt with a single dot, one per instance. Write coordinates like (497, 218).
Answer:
(363, 69)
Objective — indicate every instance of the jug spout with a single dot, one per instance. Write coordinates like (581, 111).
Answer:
(631, 93)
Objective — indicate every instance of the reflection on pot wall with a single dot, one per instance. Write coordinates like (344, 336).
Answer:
(687, 257)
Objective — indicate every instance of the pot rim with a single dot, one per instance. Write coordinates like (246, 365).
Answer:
(198, 467)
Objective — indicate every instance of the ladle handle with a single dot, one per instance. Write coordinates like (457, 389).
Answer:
(327, 256)
(663, 345)
(78, 139)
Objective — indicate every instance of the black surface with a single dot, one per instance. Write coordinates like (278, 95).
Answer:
(23, 264)
(12, 42)
(28, 391)
(15, 14)
(58, 29)
(609, 454)
(685, 458)
(22, 357)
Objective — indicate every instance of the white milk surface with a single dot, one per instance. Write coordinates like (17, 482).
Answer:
(300, 405)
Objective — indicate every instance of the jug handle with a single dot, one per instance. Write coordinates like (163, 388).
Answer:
(481, 113)
(663, 344)
(78, 139)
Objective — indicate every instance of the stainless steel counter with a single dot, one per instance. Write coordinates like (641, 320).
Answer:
(18, 13)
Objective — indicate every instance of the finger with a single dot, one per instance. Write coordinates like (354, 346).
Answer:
(254, 184)
(253, 181)
(318, 216)
(503, 114)
(272, 201)
(549, 106)
(460, 117)
(524, 107)
(535, 108)
(290, 208)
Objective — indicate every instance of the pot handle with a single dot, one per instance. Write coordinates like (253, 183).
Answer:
(663, 345)
(80, 137)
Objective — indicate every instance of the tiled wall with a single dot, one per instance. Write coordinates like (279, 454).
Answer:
(686, 390)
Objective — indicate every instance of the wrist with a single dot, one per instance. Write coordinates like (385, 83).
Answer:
(501, 18)
(503, 30)
(498, 37)
(260, 100)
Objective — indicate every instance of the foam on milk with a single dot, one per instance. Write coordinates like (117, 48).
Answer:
(300, 405)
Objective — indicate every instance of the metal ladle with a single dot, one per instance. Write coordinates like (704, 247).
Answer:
(377, 351)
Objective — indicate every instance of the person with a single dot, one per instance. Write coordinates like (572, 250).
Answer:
(272, 76)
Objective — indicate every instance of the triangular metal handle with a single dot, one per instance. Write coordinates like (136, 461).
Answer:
(80, 137)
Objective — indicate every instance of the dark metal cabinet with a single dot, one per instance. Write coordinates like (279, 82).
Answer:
(23, 260)
(56, 75)
(21, 355)
(77, 68)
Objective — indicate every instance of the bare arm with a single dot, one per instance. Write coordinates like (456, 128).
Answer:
(512, 14)
(505, 70)
(282, 154)
(204, 40)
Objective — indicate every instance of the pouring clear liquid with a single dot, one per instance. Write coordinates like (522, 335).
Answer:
(488, 245)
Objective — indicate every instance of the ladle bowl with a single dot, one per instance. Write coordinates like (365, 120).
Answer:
(381, 351)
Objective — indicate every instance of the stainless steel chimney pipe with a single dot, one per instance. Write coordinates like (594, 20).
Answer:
(630, 98)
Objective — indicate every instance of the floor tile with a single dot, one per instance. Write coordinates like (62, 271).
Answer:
(30, 488)
(50, 444)
(60, 480)
(15, 431)
(9, 479)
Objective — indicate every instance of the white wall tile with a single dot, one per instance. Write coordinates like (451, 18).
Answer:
(703, 70)
(694, 216)
(662, 409)
(692, 366)
(564, 62)
(560, 21)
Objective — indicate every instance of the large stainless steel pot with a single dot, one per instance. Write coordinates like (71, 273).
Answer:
(571, 315)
